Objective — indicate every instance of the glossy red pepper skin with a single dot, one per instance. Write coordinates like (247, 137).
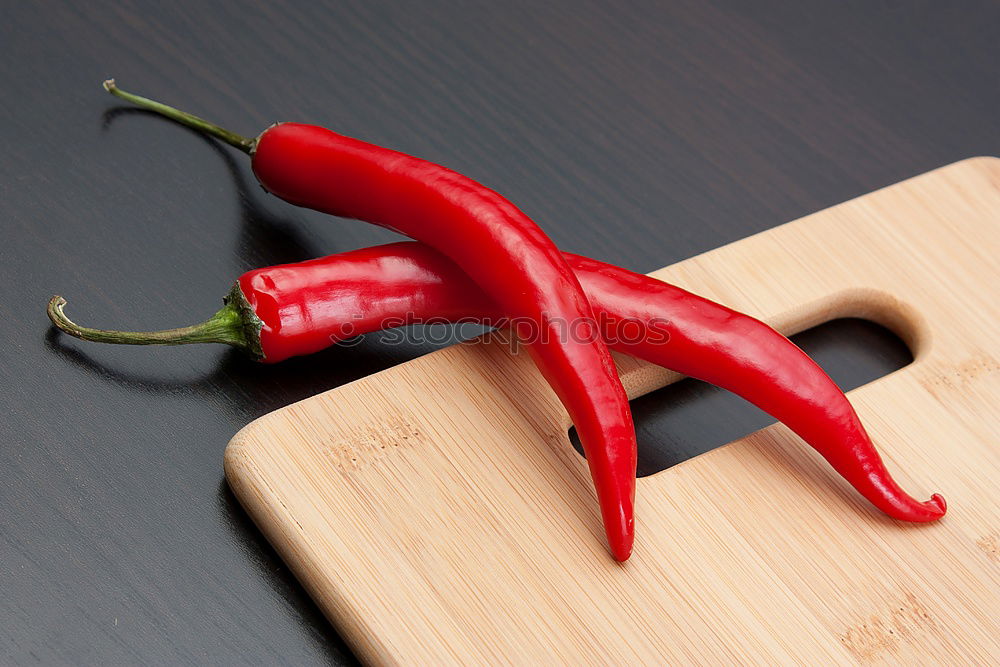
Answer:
(505, 254)
(308, 306)
(520, 273)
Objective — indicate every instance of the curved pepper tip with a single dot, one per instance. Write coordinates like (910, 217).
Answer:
(930, 510)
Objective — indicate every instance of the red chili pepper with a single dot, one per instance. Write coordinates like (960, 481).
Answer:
(493, 242)
(295, 309)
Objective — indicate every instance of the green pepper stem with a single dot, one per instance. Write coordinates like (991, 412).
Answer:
(234, 324)
(235, 140)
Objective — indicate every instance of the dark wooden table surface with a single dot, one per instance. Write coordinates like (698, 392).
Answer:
(639, 133)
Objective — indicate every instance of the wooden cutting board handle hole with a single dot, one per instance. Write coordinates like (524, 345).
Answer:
(688, 417)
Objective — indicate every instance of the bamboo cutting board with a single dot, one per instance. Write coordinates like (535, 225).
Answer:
(437, 513)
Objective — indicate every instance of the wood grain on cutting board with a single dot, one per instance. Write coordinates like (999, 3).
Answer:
(437, 512)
